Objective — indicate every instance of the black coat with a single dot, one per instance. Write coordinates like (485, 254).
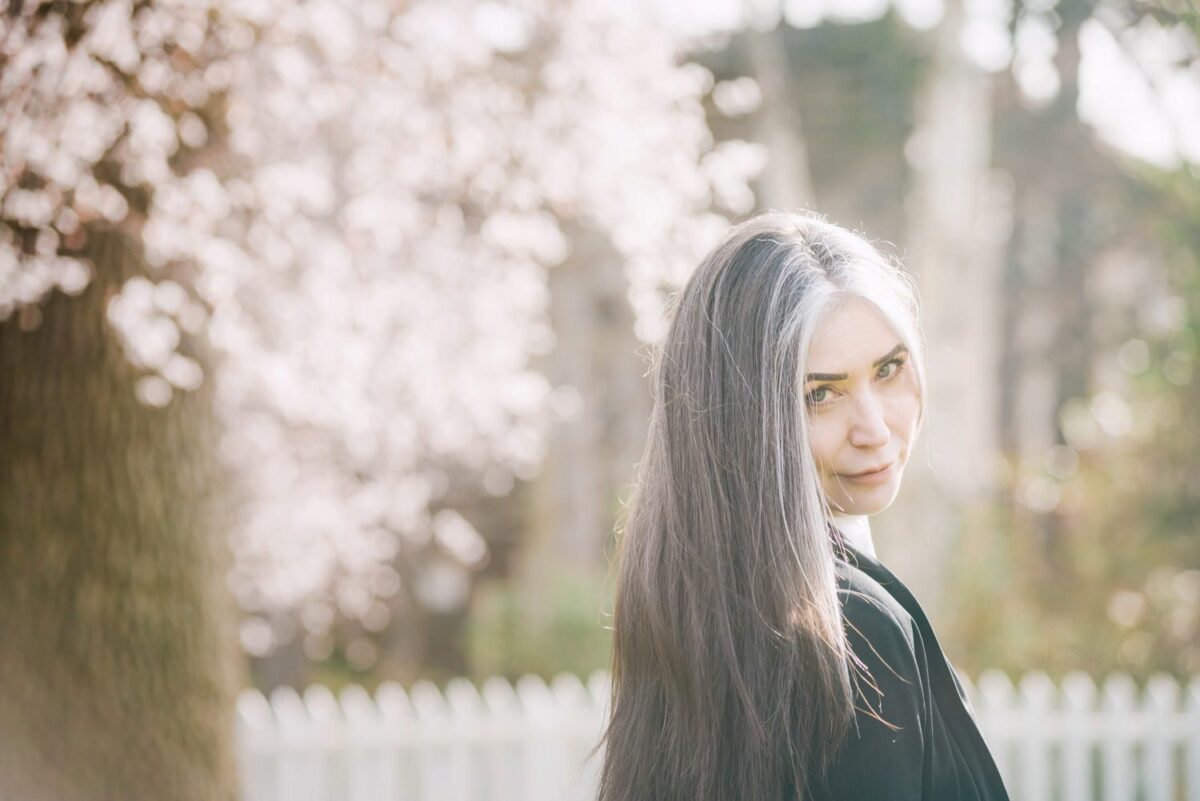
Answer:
(938, 754)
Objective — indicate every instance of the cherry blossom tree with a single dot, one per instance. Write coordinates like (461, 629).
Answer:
(352, 208)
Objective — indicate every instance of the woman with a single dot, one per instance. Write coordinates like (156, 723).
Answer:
(761, 650)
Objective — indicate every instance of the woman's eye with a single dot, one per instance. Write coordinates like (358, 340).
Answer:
(896, 364)
(819, 391)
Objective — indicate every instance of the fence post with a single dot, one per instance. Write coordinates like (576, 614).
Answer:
(257, 746)
(508, 725)
(401, 776)
(471, 742)
(580, 734)
(1038, 701)
(300, 775)
(1079, 710)
(1191, 747)
(1119, 707)
(600, 689)
(543, 752)
(434, 763)
(999, 723)
(1160, 704)
(364, 743)
(328, 741)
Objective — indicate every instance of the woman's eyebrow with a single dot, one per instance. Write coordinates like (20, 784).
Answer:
(901, 348)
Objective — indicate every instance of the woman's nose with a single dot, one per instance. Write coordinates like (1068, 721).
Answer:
(869, 428)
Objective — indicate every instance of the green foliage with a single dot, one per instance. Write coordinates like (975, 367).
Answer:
(510, 633)
(1110, 579)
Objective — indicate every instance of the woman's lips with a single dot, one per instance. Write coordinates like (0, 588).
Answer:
(877, 477)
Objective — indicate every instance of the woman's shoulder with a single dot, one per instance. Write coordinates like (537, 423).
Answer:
(884, 754)
(870, 610)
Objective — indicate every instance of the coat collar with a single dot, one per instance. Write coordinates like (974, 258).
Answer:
(856, 530)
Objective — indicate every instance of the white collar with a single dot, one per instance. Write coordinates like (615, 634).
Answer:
(857, 531)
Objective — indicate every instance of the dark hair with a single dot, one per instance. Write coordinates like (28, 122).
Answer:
(730, 670)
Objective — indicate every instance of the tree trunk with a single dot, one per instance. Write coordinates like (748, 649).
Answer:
(118, 658)
(786, 183)
(955, 241)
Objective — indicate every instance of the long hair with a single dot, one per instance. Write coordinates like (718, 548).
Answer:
(731, 670)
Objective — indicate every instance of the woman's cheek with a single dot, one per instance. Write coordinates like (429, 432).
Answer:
(906, 411)
(914, 414)
(823, 431)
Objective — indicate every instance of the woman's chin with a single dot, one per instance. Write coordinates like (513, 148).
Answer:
(869, 500)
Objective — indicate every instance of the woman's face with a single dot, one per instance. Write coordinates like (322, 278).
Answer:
(863, 403)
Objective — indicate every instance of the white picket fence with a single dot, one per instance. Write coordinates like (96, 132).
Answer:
(527, 742)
